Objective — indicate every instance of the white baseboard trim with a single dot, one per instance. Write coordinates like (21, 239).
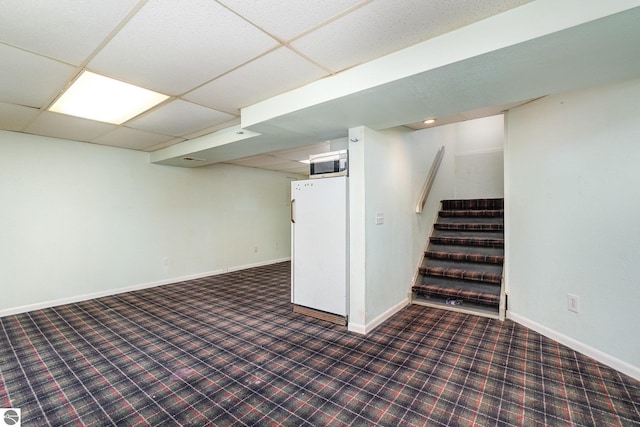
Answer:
(613, 362)
(100, 294)
(357, 328)
(257, 264)
(365, 329)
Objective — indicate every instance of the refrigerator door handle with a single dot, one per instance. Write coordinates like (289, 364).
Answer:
(293, 221)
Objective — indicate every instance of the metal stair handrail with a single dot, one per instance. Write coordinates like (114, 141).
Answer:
(429, 181)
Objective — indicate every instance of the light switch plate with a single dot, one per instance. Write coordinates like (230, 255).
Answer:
(573, 303)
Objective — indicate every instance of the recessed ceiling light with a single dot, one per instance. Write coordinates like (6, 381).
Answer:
(429, 121)
(101, 98)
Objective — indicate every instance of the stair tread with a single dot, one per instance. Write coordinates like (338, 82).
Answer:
(470, 220)
(464, 274)
(461, 265)
(483, 250)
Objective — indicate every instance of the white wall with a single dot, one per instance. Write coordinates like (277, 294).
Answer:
(387, 171)
(81, 219)
(480, 158)
(573, 203)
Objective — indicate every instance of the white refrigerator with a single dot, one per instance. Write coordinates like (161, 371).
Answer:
(320, 245)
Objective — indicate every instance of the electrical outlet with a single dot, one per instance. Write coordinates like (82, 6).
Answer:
(573, 303)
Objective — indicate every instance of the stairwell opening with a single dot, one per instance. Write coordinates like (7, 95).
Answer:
(462, 267)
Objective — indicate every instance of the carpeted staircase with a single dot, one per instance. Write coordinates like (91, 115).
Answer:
(462, 266)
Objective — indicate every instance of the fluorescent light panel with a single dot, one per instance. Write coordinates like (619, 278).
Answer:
(100, 98)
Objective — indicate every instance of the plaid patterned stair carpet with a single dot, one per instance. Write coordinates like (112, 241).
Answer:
(228, 350)
(463, 262)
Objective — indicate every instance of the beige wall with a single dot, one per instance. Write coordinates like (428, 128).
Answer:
(79, 220)
(573, 203)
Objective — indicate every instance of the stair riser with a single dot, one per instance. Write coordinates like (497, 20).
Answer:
(458, 265)
(488, 311)
(461, 241)
(473, 204)
(473, 276)
(436, 291)
(472, 214)
(468, 258)
(476, 235)
(465, 227)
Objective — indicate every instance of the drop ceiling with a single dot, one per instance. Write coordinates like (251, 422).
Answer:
(221, 61)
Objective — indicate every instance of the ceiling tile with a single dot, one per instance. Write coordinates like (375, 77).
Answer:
(303, 153)
(288, 165)
(68, 30)
(258, 80)
(287, 160)
(29, 79)
(135, 139)
(262, 160)
(68, 127)
(207, 47)
(15, 117)
(171, 48)
(382, 27)
(299, 170)
(235, 121)
(164, 144)
(288, 18)
(179, 118)
(272, 163)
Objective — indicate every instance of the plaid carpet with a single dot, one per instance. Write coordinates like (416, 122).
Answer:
(228, 350)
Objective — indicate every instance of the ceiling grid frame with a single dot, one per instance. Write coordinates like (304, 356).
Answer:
(64, 38)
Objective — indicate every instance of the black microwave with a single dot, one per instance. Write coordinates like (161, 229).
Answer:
(325, 165)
